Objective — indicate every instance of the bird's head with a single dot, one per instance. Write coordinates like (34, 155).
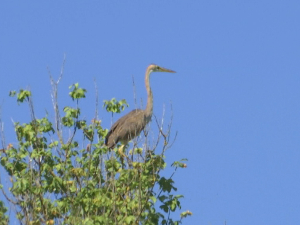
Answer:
(156, 68)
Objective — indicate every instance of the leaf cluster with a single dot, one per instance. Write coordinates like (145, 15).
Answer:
(82, 182)
(115, 106)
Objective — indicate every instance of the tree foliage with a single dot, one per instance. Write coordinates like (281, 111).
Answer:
(59, 180)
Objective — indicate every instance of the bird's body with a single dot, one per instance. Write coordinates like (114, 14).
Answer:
(131, 125)
(126, 128)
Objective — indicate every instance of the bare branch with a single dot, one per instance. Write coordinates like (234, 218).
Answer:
(97, 100)
(30, 103)
(134, 92)
(2, 136)
(54, 93)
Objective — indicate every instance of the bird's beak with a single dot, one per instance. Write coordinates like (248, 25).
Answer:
(166, 70)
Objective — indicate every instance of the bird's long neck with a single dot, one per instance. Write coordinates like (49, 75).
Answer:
(149, 107)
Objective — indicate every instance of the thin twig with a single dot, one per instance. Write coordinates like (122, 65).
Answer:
(54, 85)
(134, 92)
(2, 131)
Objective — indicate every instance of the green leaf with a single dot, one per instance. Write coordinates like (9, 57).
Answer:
(115, 106)
(12, 93)
(162, 198)
(53, 144)
(130, 219)
(165, 208)
(166, 184)
(185, 214)
(153, 199)
(76, 92)
(67, 121)
(179, 163)
(23, 95)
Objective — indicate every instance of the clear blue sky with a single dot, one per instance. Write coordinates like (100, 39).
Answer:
(235, 96)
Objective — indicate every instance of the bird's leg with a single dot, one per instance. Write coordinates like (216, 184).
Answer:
(122, 154)
(121, 150)
(145, 133)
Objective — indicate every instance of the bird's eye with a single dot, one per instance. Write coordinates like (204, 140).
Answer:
(157, 68)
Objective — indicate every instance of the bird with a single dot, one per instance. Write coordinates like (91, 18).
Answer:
(129, 126)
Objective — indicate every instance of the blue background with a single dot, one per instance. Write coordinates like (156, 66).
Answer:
(235, 95)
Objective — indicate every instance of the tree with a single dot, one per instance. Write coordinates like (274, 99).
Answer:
(58, 180)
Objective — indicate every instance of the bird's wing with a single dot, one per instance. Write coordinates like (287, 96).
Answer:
(131, 115)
